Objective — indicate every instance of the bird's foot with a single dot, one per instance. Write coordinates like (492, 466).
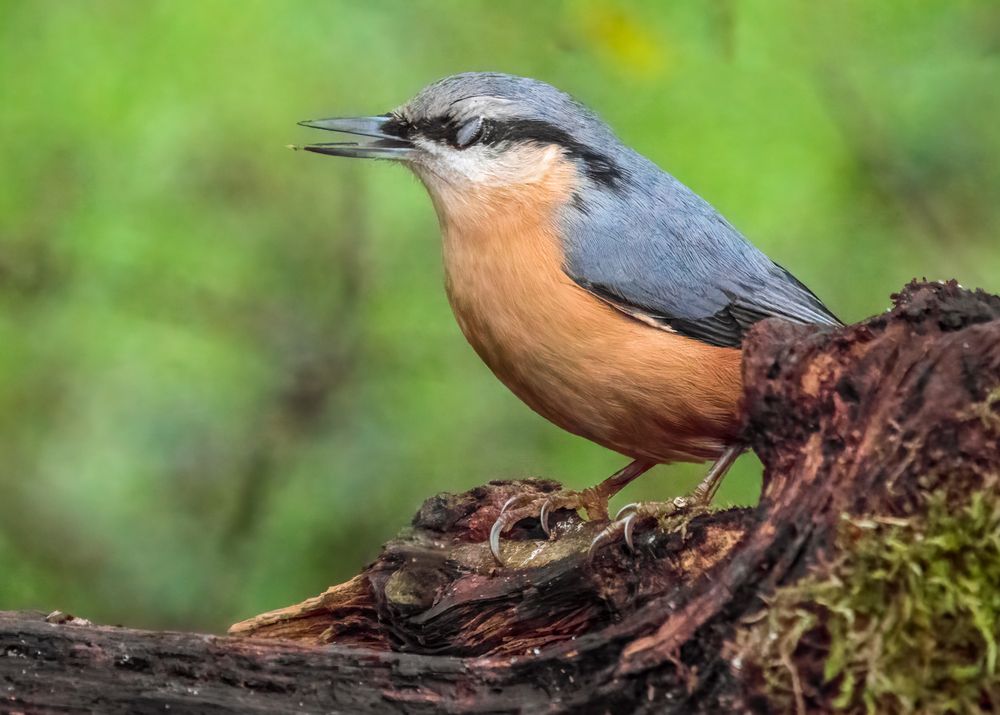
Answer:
(673, 515)
(593, 500)
(670, 516)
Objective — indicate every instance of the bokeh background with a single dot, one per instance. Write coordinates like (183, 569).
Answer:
(228, 372)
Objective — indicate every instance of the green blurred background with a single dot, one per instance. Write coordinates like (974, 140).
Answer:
(229, 372)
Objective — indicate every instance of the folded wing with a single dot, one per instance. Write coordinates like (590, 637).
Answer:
(674, 262)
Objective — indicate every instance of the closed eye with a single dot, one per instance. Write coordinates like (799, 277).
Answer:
(469, 133)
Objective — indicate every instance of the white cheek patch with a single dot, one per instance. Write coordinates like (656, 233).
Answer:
(485, 165)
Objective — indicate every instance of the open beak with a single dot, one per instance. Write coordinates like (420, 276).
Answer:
(374, 142)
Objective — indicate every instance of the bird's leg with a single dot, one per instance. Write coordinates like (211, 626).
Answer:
(694, 503)
(704, 493)
(592, 499)
(595, 499)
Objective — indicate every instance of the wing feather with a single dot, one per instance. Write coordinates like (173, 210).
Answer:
(673, 261)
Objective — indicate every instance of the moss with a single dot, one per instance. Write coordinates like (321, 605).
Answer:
(988, 411)
(907, 619)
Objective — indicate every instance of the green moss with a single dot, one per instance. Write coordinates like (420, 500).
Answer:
(988, 411)
(906, 620)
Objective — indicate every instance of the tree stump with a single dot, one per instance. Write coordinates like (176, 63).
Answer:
(870, 423)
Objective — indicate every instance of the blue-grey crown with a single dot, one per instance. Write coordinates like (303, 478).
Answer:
(496, 109)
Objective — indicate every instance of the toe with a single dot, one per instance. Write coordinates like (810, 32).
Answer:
(521, 506)
(624, 526)
(543, 517)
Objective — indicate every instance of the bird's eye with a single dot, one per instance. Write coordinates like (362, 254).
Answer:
(469, 133)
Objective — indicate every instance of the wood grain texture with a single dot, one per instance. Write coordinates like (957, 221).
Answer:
(865, 420)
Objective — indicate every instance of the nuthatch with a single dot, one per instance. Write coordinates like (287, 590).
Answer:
(604, 293)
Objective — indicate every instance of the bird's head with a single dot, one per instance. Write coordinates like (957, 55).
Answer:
(484, 131)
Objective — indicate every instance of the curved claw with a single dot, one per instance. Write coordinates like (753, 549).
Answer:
(629, 526)
(596, 544)
(498, 527)
(628, 507)
(603, 537)
(624, 526)
(495, 539)
(506, 504)
(543, 517)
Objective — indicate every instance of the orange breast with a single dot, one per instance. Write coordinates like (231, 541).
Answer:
(634, 388)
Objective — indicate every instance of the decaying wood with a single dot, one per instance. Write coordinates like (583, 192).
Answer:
(863, 420)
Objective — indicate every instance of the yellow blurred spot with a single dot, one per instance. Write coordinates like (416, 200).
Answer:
(623, 39)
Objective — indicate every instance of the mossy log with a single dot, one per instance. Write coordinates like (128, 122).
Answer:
(871, 423)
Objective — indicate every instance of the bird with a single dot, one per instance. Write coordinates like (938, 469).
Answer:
(603, 292)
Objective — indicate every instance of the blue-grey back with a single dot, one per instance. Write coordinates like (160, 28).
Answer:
(634, 235)
(650, 245)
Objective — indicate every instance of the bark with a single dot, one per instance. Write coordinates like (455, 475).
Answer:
(863, 420)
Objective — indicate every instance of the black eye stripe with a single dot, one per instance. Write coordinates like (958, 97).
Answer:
(599, 167)
(440, 129)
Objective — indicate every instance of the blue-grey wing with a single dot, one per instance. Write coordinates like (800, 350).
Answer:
(668, 258)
